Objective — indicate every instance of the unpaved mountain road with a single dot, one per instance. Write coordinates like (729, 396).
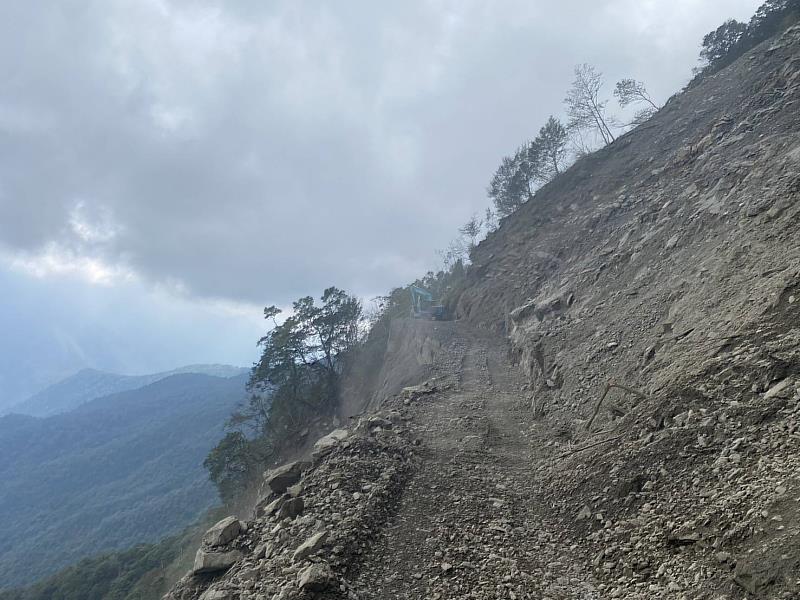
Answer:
(471, 523)
(454, 489)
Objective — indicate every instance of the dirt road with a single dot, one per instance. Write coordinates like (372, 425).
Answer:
(470, 524)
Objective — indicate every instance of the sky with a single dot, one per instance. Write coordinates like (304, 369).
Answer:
(169, 167)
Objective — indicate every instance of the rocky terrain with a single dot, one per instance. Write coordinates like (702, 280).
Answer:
(616, 412)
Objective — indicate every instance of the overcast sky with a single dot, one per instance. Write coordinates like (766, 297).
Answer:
(201, 159)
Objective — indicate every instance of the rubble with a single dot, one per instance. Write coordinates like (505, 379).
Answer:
(666, 263)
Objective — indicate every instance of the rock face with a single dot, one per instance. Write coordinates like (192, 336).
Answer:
(281, 478)
(223, 532)
(207, 561)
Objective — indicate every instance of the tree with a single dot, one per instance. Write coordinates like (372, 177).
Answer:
(585, 108)
(470, 232)
(230, 464)
(552, 148)
(513, 182)
(630, 91)
(771, 17)
(296, 376)
(490, 219)
(309, 344)
(717, 45)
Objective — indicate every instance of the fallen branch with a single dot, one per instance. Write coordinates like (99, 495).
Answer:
(611, 439)
(611, 385)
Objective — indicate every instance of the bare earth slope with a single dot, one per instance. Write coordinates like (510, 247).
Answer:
(669, 264)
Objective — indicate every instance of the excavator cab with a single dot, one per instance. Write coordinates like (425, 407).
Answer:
(423, 305)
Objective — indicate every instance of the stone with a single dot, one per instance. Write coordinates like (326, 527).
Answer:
(212, 594)
(267, 508)
(779, 390)
(379, 423)
(212, 562)
(281, 478)
(752, 577)
(317, 578)
(292, 508)
(471, 443)
(672, 242)
(326, 443)
(223, 532)
(310, 546)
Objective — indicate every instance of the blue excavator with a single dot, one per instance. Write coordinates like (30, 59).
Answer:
(423, 305)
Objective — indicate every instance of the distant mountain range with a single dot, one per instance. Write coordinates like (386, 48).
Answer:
(89, 384)
(114, 471)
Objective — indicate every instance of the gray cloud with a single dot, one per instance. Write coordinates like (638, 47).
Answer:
(259, 151)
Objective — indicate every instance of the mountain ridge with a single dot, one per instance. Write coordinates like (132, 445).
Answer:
(115, 471)
(88, 384)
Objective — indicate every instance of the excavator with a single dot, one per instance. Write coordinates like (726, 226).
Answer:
(423, 305)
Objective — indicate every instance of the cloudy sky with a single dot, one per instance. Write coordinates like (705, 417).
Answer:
(167, 167)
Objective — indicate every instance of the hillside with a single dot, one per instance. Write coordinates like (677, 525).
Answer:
(116, 471)
(656, 285)
(89, 384)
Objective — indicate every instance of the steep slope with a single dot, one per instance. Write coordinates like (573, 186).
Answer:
(668, 264)
(89, 384)
(116, 471)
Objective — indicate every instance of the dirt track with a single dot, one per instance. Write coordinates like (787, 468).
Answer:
(470, 523)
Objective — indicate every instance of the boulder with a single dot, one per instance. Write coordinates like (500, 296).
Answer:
(780, 390)
(292, 508)
(317, 578)
(223, 532)
(267, 507)
(281, 478)
(212, 562)
(326, 443)
(310, 546)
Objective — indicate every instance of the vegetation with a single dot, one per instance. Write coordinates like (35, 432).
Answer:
(115, 472)
(136, 574)
(296, 379)
(532, 165)
(586, 110)
(733, 38)
(631, 92)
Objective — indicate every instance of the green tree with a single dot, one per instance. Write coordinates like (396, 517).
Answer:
(230, 464)
(296, 376)
(718, 44)
(552, 148)
(513, 182)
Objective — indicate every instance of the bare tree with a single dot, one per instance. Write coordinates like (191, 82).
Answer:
(585, 108)
(470, 232)
(630, 91)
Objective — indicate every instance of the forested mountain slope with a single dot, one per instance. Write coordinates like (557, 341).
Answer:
(118, 470)
(89, 384)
